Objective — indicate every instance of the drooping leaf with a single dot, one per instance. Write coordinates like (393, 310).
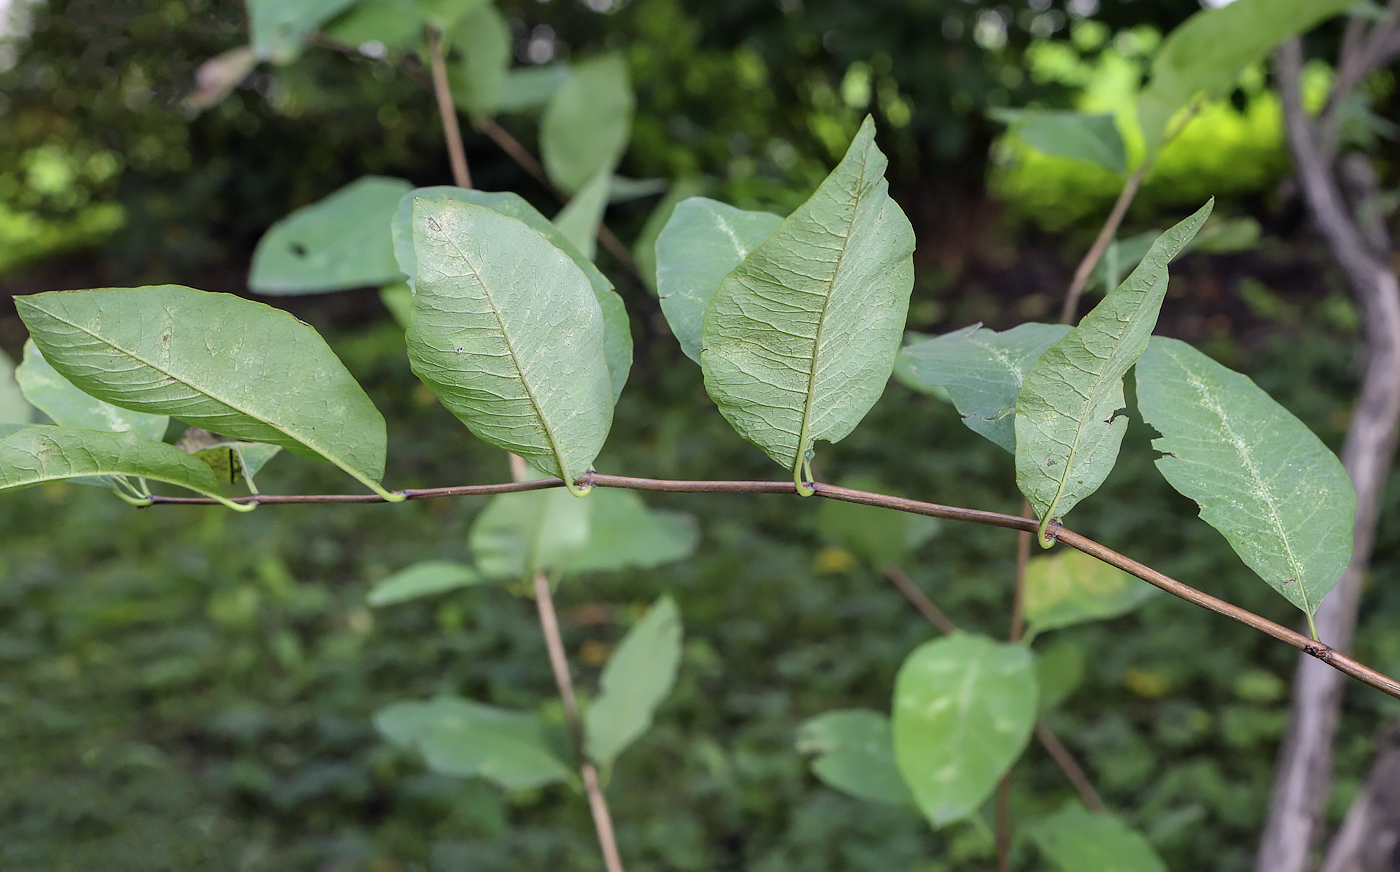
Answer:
(1207, 53)
(468, 739)
(67, 406)
(964, 707)
(981, 370)
(1068, 426)
(879, 536)
(855, 755)
(1059, 670)
(623, 532)
(508, 333)
(39, 454)
(617, 333)
(276, 28)
(800, 339)
(637, 678)
(1071, 587)
(580, 219)
(1079, 841)
(214, 361)
(644, 248)
(700, 244)
(587, 122)
(1260, 476)
(340, 242)
(523, 533)
(428, 578)
(531, 87)
(14, 408)
(1073, 135)
(230, 460)
(482, 42)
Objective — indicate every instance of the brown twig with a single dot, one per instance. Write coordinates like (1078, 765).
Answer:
(1091, 258)
(1322, 652)
(1058, 752)
(1018, 611)
(451, 129)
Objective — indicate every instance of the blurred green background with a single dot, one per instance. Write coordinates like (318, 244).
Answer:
(189, 689)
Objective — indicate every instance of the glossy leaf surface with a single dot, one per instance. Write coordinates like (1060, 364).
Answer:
(428, 578)
(1068, 426)
(854, 751)
(40, 454)
(637, 678)
(1260, 476)
(617, 333)
(215, 361)
(1071, 587)
(340, 242)
(964, 707)
(464, 738)
(67, 406)
(800, 339)
(703, 240)
(981, 370)
(587, 123)
(1079, 841)
(508, 333)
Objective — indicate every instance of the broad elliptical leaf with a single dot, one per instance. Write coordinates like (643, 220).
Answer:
(800, 339)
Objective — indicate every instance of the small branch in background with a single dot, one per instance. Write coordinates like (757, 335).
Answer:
(527, 162)
(1363, 52)
(1087, 794)
(451, 129)
(919, 600)
(1018, 609)
(1106, 233)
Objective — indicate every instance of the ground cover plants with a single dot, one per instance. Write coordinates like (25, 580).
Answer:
(797, 324)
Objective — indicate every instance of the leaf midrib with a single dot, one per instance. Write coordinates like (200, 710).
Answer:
(205, 393)
(821, 320)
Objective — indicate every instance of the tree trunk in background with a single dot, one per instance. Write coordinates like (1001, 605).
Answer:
(1304, 771)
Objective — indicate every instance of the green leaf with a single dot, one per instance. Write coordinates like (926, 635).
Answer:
(879, 536)
(964, 707)
(981, 370)
(855, 755)
(508, 333)
(644, 248)
(519, 534)
(423, 579)
(617, 333)
(701, 243)
(67, 406)
(625, 189)
(587, 123)
(801, 337)
(1074, 135)
(340, 242)
(1222, 236)
(276, 28)
(1059, 670)
(446, 15)
(40, 454)
(1071, 587)
(638, 676)
(398, 299)
(623, 532)
(1068, 426)
(580, 219)
(531, 87)
(214, 361)
(1078, 841)
(1260, 476)
(483, 42)
(231, 461)
(14, 408)
(398, 24)
(467, 739)
(1210, 49)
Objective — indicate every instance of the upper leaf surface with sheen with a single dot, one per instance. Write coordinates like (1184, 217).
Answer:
(801, 337)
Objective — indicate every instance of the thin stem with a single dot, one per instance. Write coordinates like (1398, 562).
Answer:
(1106, 233)
(1051, 742)
(1018, 595)
(1325, 653)
(451, 129)
(919, 599)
